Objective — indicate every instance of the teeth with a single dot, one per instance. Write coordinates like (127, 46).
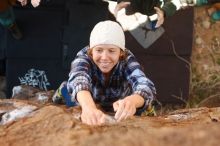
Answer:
(104, 64)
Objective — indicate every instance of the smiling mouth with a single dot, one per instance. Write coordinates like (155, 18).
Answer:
(105, 65)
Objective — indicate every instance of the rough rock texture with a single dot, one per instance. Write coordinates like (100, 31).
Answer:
(26, 120)
(58, 126)
(205, 83)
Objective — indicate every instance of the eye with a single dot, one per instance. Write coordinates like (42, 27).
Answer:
(112, 50)
(99, 50)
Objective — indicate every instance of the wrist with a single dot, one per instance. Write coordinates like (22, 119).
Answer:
(137, 100)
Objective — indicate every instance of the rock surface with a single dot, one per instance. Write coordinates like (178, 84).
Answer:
(59, 126)
(205, 75)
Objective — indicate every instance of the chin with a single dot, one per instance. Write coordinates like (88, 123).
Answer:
(105, 72)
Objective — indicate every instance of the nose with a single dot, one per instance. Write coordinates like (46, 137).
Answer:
(104, 55)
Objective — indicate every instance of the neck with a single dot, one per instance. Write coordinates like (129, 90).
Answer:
(107, 78)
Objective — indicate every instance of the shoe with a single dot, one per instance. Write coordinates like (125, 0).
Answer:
(150, 111)
(62, 96)
(15, 31)
(58, 97)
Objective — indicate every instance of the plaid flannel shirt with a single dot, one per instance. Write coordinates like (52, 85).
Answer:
(127, 78)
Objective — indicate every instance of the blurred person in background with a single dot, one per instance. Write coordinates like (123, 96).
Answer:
(162, 8)
(7, 17)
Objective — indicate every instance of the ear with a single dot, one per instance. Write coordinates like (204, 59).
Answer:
(122, 55)
(121, 52)
(89, 52)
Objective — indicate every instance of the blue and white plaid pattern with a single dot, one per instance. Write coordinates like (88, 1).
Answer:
(127, 78)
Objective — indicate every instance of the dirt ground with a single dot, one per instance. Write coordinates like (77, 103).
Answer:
(54, 125)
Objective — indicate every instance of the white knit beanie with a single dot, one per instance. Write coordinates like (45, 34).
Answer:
(107, 32)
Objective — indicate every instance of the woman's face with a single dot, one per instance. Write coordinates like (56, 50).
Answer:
(106, 57)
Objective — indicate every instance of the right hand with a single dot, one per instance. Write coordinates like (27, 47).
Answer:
(124, 108)
(160, 18)
(92, 116)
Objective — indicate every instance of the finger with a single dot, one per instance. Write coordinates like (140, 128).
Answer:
(123, 5)
(122, 116)
(99, 118)
(120, 109)
(160, 21)
(129, 110)
(115, 106)
(157, 9)
(158, 24)
(160, 18)
(118, 113)
(94, 121)
(102, 119)
(130, 114)
(127, 115)
(120, 6)
(126, 111)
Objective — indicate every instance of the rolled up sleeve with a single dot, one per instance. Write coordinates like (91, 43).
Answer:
(140, 84)
(79, 77)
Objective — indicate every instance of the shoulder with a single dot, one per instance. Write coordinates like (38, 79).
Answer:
(130, 61)
(83, 51)
(82, 58)
(129, 55)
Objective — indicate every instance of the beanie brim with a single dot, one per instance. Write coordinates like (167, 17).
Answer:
(107, 32)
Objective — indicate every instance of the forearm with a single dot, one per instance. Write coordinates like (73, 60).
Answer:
(85, 99)
(136, 99)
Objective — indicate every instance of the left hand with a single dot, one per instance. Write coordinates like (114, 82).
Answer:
(120, 6)
(124, 108)
(160, 19)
